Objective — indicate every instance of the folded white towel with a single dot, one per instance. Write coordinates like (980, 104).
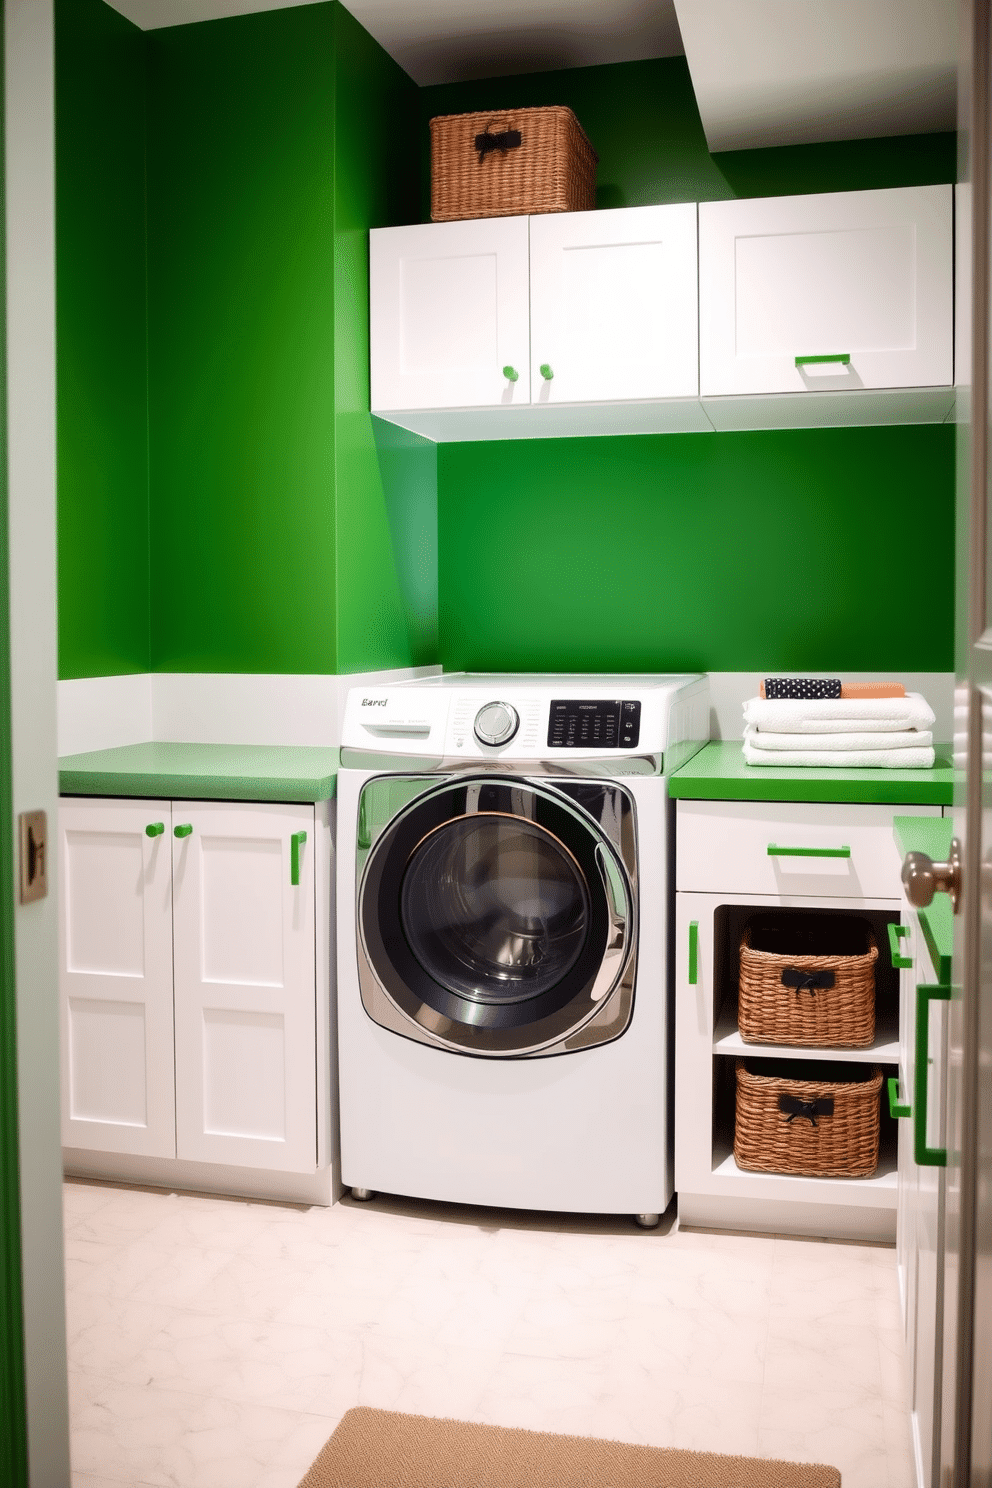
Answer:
(888, 759)
(895, 739)
(839, 715)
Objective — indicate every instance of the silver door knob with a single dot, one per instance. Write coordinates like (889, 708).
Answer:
(922, 877)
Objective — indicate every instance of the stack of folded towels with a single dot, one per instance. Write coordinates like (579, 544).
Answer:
(817, 721)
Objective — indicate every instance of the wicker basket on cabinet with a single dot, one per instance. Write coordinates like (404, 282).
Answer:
(817, 1122)
(513, 162)
(790, 993)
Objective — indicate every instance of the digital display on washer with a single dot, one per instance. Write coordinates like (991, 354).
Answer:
(594, 725)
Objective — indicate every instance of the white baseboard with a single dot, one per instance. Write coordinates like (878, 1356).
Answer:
(210, 707)
(730, 690)
(320, 1187)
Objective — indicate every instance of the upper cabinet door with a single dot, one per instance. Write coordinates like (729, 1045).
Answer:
(449, 314)
(613, 305)
(115, 955)
(859, 279)
(245, 984)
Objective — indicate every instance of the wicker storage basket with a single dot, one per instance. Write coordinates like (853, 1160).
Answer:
(788, 995)
(510, 163)
(822, 1125)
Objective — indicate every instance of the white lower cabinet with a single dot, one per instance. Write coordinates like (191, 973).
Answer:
(188, 977)
(732, 847)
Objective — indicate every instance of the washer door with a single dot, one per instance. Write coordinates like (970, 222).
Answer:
(496, 916)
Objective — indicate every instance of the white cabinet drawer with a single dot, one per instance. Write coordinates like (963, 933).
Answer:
(723, 847)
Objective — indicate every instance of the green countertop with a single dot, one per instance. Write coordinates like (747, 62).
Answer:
(203, 772)
(931, 835)
(718, 773)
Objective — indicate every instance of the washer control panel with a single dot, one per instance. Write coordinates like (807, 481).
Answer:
(598, 724)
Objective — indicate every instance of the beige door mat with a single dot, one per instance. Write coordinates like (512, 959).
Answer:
(383, 1449)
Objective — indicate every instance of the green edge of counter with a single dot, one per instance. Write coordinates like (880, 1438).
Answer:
(718, 773)
(203, 772)
(931, 835)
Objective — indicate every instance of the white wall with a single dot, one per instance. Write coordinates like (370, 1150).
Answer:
(30, 229)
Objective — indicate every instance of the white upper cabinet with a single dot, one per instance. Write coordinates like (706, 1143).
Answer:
(115, 951)
(843, 291)
(613, 305)
(449, 313)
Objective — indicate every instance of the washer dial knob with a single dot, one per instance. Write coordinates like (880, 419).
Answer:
(496, 723)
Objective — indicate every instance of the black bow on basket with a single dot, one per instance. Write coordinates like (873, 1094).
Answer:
(510, 139)
(806, 981)
(824, 1106)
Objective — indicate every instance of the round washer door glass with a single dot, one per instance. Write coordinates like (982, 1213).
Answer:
(495, 908)
(495, 916)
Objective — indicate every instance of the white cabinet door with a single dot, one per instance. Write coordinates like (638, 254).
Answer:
(614, 305)
(245, 984)
(865, 275)
(449, 313)
(115, 953)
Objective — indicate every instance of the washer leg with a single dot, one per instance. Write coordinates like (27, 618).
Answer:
(364, 1194)
(646, 1221)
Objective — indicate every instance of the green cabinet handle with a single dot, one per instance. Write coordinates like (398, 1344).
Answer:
(155, 829)
(511, 374)
(183, 830)
(843, 357)
(295, 843)
(926, 1157)
(546, 372)
(808, 852)
(693, 952)
(896, 933)
(895, 1108)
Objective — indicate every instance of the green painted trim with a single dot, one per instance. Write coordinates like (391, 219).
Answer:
(13, 1400)
(937, 924)
(203, 772)
(927, 834)
(926, 1157)
(718, 773)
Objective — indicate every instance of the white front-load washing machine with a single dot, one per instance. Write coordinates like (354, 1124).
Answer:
(503, 910)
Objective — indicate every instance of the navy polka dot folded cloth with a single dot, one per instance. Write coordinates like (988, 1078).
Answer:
(802, 687)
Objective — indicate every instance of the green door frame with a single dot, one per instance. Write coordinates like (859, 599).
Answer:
(13, 1408)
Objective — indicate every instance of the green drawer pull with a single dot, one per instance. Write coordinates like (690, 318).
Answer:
(546, 372)
(693, 952)
(295, 843)
(155, 829)
(511, 374)
(926, 1157)
(185, 830)
(808, 852)
(895, 1108)
(896, 933)
(843, 357)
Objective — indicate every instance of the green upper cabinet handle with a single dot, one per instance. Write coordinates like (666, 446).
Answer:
(295, 843)
(511, 374)
(183, 830)
(693, 952)
(896, 1108)
(844, 357)
(896, 933)
(155, 829)
(926, 1157)
(546, 372)
(808, 852)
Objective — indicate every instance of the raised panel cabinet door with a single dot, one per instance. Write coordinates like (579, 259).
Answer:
(449, 316)
(115, 974)
(245, 984)
(856, 285)
(613, 305)
(694, 1060)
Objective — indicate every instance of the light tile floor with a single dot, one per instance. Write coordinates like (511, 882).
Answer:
(215, 1343)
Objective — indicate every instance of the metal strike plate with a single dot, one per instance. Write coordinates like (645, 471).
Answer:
(33, 861)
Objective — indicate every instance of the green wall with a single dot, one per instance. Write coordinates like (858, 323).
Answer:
(731, 552)
(102, 429)
(727, 552)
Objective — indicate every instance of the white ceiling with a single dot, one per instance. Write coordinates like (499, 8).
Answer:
(785, 72)
(765, 72)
